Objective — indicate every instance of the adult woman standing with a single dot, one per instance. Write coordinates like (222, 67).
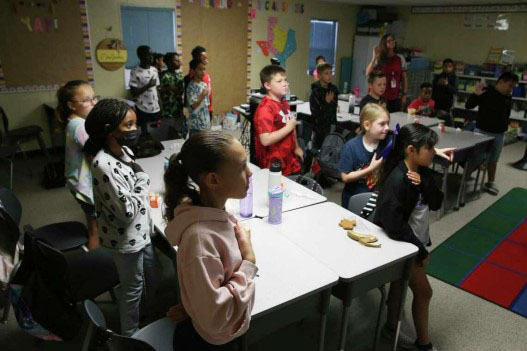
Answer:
(393, 65)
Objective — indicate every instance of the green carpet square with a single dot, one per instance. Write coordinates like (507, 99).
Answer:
(450, 266)
(473, 241)
(495, 224)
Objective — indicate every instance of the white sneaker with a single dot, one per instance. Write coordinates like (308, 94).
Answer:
(491, 188)
(404, 342)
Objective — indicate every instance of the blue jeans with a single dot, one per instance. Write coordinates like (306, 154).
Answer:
(137, 276)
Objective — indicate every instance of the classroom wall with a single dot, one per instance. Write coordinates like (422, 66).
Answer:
(443, 36)
(27, 108)
(297, 63)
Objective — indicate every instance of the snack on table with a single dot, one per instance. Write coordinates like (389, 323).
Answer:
(365, 239)
(348, 224)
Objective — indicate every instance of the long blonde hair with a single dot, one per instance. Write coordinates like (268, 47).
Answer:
(370, 113)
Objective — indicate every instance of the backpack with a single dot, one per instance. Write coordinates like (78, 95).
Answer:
(329, 156)
(54, 175)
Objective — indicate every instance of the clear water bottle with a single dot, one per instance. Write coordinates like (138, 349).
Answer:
(351, 107)
(288, 95)
(246, 204)
(275, 174)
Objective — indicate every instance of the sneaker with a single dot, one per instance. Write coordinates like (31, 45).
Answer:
(428, 347)
(491, 188)
(404, 342)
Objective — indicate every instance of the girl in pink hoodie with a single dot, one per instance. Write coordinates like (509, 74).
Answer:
(215, 259)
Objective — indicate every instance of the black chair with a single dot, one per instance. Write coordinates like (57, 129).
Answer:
(65, 238)
(75, 274)
(156, 336)
(19, 135)
(7, 153)
(307, 182)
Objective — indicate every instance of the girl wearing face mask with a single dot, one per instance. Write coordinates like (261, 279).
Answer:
(120, 189)
(75, 100)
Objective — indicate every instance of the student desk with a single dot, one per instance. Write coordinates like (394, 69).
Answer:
(401, 118)
(290, 284)
(468, 144)
(316, 230)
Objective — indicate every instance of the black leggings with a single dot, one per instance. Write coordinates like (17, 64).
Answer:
(187, 339)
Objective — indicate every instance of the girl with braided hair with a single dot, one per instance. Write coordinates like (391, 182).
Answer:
(120, 189)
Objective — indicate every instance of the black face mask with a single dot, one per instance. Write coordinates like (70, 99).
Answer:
(129, 138)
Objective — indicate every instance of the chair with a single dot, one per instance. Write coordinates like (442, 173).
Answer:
(476, 162)
(16, 136)
(7, 153)
(156, 336)
(62, 238)
(356, 204)
(75, 274)
(309, 183)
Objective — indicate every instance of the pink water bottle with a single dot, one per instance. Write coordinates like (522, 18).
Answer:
(356, 92)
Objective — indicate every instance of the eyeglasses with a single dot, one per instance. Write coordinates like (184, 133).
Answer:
(92, 100)
(390, 41)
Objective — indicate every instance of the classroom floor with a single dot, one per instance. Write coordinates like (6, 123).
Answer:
(458, 320)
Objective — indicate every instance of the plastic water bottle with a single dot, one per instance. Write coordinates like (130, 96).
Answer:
(288, 95)
(345, 90)
(276, 196)
(246, 204)
(351, 103)
(275, 175)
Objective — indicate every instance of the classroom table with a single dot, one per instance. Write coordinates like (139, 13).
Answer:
(290, 283)
(467, 144)
(401, 118)
(316, 230)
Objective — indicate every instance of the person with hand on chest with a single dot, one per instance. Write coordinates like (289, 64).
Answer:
(120, 189)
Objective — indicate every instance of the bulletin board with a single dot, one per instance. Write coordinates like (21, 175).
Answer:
(44, 43)
(223, 32)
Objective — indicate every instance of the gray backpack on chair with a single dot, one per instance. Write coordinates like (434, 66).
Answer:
(329, 156)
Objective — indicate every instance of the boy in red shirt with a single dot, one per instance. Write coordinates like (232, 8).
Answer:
(424, 105)
(275, 136)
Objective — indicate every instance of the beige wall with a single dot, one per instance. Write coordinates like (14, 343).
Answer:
(297, 63)
(443, 36)
(26, 108)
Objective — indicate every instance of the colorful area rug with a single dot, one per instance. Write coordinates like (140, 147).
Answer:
(488, 256)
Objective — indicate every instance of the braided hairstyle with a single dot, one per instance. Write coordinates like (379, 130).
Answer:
(202, 153)
(103, 119)
(64, 95)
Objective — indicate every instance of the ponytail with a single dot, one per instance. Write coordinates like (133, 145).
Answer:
(202, 153)
(178, 187)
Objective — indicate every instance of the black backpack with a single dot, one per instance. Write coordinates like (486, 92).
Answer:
(329, 155)
(54, 175)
